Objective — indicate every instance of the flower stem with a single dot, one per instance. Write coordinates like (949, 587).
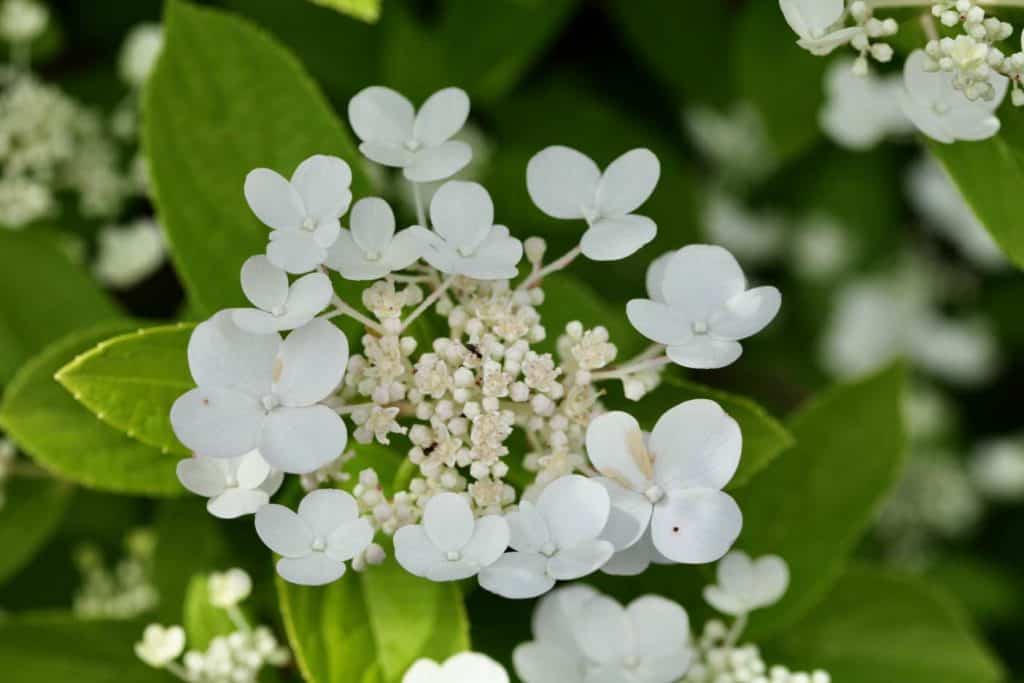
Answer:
(736, 631)
(177, 671)
(352, 407)
(631, 368)
(342, 308)
(421, 215)
(556, 265)
(428, 302)
(238, 619)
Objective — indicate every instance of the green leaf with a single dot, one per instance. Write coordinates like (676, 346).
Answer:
(64, 437)
(372, 626)
(225, 98)
(876, 626)
(57, 647)
(813, 504)
(43, 296)
(203, 621)
(30, 514)
(131, 381)
(366, 10)
(568, 298)
(990, 174)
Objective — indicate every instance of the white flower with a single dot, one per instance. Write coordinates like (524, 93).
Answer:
(745, 585)
(465, 240)
(22, 21)
(635, 559)
(813, 21)
(302, 213)
(235, 486)
(393, 133)
(256, 391)
(555, 540)
(997, 469)
(466, 667)
(316, 543)
(160, 646)
(861, 111)
(942, 112)
(450, 544)
(701, 307)
(673, 482)
(139, 53)
(128, 254)
(581, 636)
(279, 306)
(229, 588)
(372, 249)
(567, 184)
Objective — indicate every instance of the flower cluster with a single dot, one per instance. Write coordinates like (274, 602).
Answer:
(124, 592)
(452, 368)
(237, 657)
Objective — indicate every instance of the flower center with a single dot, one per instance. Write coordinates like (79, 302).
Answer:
(654, 494)
(590, 213)
(319, 544)
(309, 224)
(453, 556)
(940, 108)
(413, 145)
(631, 662)
(269, 402)
(700, 327)
(277, 311)
(373, 255)
(230, 481)
(548, 549)
(466, 251)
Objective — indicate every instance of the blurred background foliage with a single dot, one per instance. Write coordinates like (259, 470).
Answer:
(730, 105)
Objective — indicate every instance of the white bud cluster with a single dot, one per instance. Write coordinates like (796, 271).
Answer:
(718, 661)
(867, 42)
(123, 592)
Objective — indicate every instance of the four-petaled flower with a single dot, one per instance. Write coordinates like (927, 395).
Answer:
(372, 249)
(160, 645)
(941, 111)
(555, 540)
(279, 306)
(316, 542)
(235, 486)
(465, 667)
(466, 241)
(450, 544)
(745, 584)
(813, 21)
(257, 392)
(701, 307)
(672, 481)
(393, 133)
(567, 184)
(302, 213)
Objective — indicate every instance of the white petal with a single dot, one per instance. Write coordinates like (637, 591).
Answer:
(724, 601)
(628, 182)
(202, 476)
(611, 239)
(296, 252)
(557, 614)
(629, 517)
(490, 540)
(700, 278)
(326, 232)
(771, 579)
(543, 663)
(437, 163)
(264, 284)
(222, 355)
(704, 353)
(811, 18)
(349, 539)
(528, 531)
(575, 509)
(251, 470)
(632, 561)
(424, 671)
(604, 631)
(442, 256)
(656, 276)
(659, 322)
(283, 531)
(309, 295)
(562, 182)
(695, 526)
(235, 503)
(669, 667)
(615, 446)
(324, 510)
(441, 116)
(448, 521)
(323, 183)
(973, 124)
(301, 440)
(347, 258)
(471, 667)
(463, 214)
(518, 576)
(273, 482)
(381, 115)
(255, 321)
(274, 201)
(696, 445)
(315, 569)
(573, 562)
(415, 552)
(407, 247)
(312, 363)
(495, 259)
(660, 628)
(373, 225)
(746, 314)
(218, 423)
(387, 154)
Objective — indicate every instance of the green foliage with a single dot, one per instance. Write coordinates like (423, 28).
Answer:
(568, 298)
(30, 514)
(813, 504)
(55, 647)
(366, 10)
(224, 99)
(203, 621)
(43, 296)
(64, 437)
(131, 381)
(880, 626)
(371, 627)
